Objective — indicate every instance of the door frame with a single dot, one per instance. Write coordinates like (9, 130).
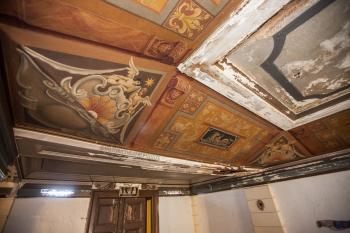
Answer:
(153, 194)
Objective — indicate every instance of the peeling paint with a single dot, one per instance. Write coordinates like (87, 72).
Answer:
(229, 80)
(337, 163)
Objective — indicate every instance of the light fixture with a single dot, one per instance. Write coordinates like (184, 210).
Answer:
(56, 193)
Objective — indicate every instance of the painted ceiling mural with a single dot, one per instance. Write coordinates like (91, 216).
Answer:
(82, 96)
(163, 30)
(270, 86)
(197, 125)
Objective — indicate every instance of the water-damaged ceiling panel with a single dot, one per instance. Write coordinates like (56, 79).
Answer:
(300, 63)
(294, 68)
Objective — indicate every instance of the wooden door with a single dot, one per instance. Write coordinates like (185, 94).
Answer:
(111, 214)
(133, 219)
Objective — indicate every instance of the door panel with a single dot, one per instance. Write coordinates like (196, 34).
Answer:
(111, 214)
(106, 215)
(134, 219)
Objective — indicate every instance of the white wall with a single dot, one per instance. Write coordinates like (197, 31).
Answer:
(222, 212)
(300, 202)
(48, 215)
(304, 201)
(175, 215)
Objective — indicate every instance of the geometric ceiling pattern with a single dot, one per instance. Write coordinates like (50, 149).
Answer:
(230, 85)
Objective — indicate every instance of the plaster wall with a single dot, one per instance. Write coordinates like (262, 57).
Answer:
(175, 215)
(222, 212)
(67, 215)
(302, 202)
(48, 215)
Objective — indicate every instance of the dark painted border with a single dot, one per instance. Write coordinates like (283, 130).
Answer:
(279, 40)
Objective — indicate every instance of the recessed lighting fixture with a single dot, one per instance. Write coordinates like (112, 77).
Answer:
(56, 193)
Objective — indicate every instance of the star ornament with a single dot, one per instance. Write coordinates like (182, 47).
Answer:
(149, 82)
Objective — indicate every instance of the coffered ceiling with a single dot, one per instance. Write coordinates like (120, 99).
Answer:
(208, 87)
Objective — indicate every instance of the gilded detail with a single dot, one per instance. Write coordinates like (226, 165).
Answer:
(102, 108)
(164, 140)
(193, 102)
(280, 150)
(188, 19)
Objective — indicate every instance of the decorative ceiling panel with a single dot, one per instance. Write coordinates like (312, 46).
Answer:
(282, 148)
(155, 11)
(188, 18)
(326, 135)
(77, 95)
(175, 27)
(95, 102)
(286, 62)
(71, 20)
(203, 128)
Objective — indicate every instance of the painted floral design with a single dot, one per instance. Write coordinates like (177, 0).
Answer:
(188, 19)
(102, 108)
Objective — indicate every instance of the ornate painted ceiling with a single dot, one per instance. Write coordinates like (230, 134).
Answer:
(262, 83)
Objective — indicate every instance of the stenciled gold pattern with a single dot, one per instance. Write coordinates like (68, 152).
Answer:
(189, 129)
(188, 19)
(164, 140)
(193, 102)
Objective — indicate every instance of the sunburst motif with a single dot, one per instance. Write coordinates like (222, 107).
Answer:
(149, 82)
(100, 107)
